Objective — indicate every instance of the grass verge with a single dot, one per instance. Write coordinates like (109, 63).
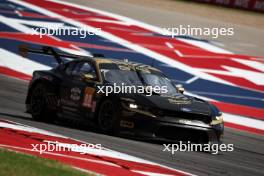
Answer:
(18, 164)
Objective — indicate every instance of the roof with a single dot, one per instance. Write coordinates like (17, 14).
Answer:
(124, 62)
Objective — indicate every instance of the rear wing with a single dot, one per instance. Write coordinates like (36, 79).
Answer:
(47, 50)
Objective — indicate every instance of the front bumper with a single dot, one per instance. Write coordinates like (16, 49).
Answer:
(171, 128)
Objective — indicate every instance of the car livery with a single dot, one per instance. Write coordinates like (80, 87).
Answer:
(71, 90)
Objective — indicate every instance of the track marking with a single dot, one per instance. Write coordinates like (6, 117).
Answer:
(117, 160)
(17, 12)
(169, 45)
(15, 62)
(58, 154)
(178, 53)
(18, 25)
(244, 121)
(151, 173)
(228, 95)
(28, 129)
(124, 42)
(158, 30)
(191, 80)
(148, 52)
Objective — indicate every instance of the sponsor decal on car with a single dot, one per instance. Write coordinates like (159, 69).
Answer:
(177, 101)
(88, 97)
(126, 124)
(75, 93)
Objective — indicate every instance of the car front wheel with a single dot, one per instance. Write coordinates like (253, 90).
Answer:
(108, 117)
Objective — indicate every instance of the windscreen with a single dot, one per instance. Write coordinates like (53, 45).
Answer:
(114, 73)
(155, 78)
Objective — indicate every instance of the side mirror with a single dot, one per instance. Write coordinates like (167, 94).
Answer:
(180, 88)
(87, 77)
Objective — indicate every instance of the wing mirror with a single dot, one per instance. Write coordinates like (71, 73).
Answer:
(87, 77)
(180, 88)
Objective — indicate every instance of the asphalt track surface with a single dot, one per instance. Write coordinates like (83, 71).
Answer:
(246, 159)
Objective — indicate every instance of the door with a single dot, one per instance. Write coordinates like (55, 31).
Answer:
(78, 77)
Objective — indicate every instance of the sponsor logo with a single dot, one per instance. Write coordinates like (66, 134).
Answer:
(88, 98)
(126, 124)
(75, 94)
(178, 101)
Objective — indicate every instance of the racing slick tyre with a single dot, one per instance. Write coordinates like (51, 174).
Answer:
(108, 117)
(40, 106)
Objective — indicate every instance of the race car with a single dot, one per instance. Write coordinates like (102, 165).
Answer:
(76, 89)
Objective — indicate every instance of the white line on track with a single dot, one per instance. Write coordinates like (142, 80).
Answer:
(169, 45)
(189, 81)
(62, 155)
(244, 121)
(18, 25)
(123, 42)
(16, 126)
(105, 152)
(150, 173)
(15, 62)
(178, 53)
(128, 44)
(102, 152)
(228, 95)
(159, 30)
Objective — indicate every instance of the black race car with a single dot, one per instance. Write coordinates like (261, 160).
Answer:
(76, 89)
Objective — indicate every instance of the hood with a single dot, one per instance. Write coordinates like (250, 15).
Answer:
(177, 103)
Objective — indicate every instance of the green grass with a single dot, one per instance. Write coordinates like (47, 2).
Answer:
(18, 164)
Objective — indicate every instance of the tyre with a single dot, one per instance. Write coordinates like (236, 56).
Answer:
(108, 117)
(39, 104)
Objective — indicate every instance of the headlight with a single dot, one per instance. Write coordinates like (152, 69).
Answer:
(217, 120)
(220, 118)
(133, 106)
(130, 105)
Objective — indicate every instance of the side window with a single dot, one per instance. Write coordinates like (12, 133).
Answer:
(87, 68)
(75, 71)
(84, 68)
(69, 68)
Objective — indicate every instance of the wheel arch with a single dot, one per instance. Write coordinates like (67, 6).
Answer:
(102, 99)
(37, 82)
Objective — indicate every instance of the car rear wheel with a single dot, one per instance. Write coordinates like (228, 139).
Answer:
(39, 105)
(108, 117)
